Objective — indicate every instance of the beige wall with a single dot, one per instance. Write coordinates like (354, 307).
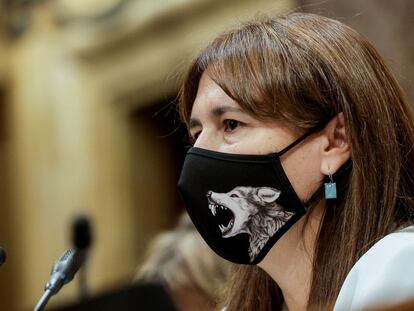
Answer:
(387, 24)
(71, 146)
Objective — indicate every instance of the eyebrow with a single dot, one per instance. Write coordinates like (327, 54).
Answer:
(216, 112)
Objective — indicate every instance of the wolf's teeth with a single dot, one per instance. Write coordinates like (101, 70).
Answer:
(221, 228)
(230, 225)
(211, 207)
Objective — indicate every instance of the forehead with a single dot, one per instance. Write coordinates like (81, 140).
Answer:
(210, 96)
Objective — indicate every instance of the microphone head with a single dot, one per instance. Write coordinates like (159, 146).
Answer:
(82, 233)
(63, 261)
(65, 268)
(3, 256)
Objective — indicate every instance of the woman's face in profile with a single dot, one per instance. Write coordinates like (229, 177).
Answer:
(219, 123)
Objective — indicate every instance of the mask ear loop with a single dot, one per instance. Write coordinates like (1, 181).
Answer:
(299, 140)
(318, 194)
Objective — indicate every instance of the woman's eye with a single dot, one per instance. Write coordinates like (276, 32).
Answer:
(231, 125)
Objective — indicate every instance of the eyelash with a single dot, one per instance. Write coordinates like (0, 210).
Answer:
(225, 123)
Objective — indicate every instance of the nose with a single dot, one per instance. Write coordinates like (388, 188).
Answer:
(209, 194)
(208, 139)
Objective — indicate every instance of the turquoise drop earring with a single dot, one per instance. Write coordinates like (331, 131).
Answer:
(330, 189)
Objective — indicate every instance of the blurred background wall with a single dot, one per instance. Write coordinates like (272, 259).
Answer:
(387, 24)
(87, 123)
(87, 127)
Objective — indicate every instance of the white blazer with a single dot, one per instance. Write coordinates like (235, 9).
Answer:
(383, 276)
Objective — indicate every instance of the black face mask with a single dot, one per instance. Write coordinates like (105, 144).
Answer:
(241, 204)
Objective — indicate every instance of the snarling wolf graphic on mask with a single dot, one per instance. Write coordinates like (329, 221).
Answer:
(254, 211)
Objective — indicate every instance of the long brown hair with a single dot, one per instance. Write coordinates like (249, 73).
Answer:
(305, 69)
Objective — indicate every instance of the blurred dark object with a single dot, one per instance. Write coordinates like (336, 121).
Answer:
(82, 232)
(142, 297)
(3, 256)
(82, 239)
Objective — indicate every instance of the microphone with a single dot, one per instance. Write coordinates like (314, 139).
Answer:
(82, 240)
(82, 233)
(62, 273)
(66, 267)
(3, 256)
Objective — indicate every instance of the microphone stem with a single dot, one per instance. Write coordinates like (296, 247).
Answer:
(43, 301)
(83, 288)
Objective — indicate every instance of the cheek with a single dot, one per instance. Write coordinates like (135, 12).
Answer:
(302, 167)
(259, 141)
(239, 144)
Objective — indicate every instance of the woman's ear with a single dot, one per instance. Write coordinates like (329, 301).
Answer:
(335, 149)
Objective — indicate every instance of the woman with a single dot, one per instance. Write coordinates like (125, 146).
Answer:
(302, 166)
